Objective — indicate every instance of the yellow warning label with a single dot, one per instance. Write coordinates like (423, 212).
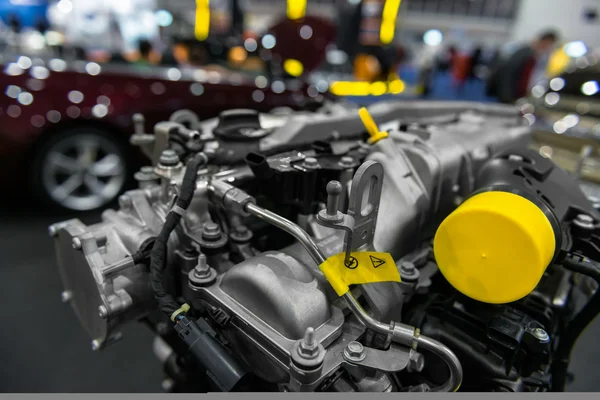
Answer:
(363, 267)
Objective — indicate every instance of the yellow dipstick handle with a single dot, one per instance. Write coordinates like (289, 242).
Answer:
(375, 134)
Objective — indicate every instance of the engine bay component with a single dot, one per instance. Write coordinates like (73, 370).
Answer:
(402, 247)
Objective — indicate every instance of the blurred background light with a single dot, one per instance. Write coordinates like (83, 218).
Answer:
(163, 18)
(268, 41)
(575, 49)
(65, 6)
(590, 88)
(433, 37)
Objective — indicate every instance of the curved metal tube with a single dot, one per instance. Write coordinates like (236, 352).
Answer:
(300, 234)
(425, 342)
(453, 363)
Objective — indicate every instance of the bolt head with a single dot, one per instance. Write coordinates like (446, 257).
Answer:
(585, 218)
(407, 267)
(541, 334)
(96, 344)
(52, 230)
(169, 158)
(66, 296)
(76, 242)
(355, 349)
(210, 230)
(311, 162)
(416, 362)
(125, 201)
(167, 385)
(346, 161)
(102, 312)
(334, 188)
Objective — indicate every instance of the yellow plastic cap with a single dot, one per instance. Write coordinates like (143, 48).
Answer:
(495, 247)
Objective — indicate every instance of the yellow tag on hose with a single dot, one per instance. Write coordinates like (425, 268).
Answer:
(364, 267)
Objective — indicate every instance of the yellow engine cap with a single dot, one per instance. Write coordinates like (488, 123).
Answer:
(495, 247)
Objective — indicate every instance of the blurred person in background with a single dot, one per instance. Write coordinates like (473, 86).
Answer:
(510, 79)
(464, 68)
(145, 49)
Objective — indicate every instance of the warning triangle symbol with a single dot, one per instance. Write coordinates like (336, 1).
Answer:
(377, 262)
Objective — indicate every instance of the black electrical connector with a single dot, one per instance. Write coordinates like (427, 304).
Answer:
(562, 355)
(225, 371)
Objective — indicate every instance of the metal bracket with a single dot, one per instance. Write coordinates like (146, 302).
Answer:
(395, 359)
(363, 207)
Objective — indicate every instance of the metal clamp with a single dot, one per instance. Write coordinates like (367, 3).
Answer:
(363, 207)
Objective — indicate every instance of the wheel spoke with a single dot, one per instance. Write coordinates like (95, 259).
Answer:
(64, 190)
(110, 165)
(94, 185)
(87, 151)
(61, 162)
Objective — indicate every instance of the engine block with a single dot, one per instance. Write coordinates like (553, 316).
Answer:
(271, 198)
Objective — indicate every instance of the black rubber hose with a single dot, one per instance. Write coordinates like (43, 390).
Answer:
(574, 328)
(158, 256)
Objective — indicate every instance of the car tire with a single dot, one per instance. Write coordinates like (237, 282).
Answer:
(80, 169)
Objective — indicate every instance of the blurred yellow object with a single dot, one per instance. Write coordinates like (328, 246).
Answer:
(375, 134)
(238, 55)
(378, 88)
(293, 67)
(396, 86)
(353, 88)
(388, 21)
(202, 19)
(345, 88)
(366, 67)
(296, 9)
(558, 62)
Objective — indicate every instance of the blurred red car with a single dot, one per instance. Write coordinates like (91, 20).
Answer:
(64, 127)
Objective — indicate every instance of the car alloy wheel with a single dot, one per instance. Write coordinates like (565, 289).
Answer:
(83, 172)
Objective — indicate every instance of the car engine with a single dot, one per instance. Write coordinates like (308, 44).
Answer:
(407, 246)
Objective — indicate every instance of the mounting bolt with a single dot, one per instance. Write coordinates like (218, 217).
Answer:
(66, 296)
(76, 243)
(241, 234)
(52, 230)
(202, 274)
(167, 385)
(541, 335)
(331, 213)
(355, 352)
(211, 231)
(416, 362)
(310, 162)
(584, 221)
(307, 352)
(408, 271)
(169, 158)
(96, 344)
(102, 312)
(407, 267)
(202, 269)
(138, 123)
(346, 162)
(125, 202)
